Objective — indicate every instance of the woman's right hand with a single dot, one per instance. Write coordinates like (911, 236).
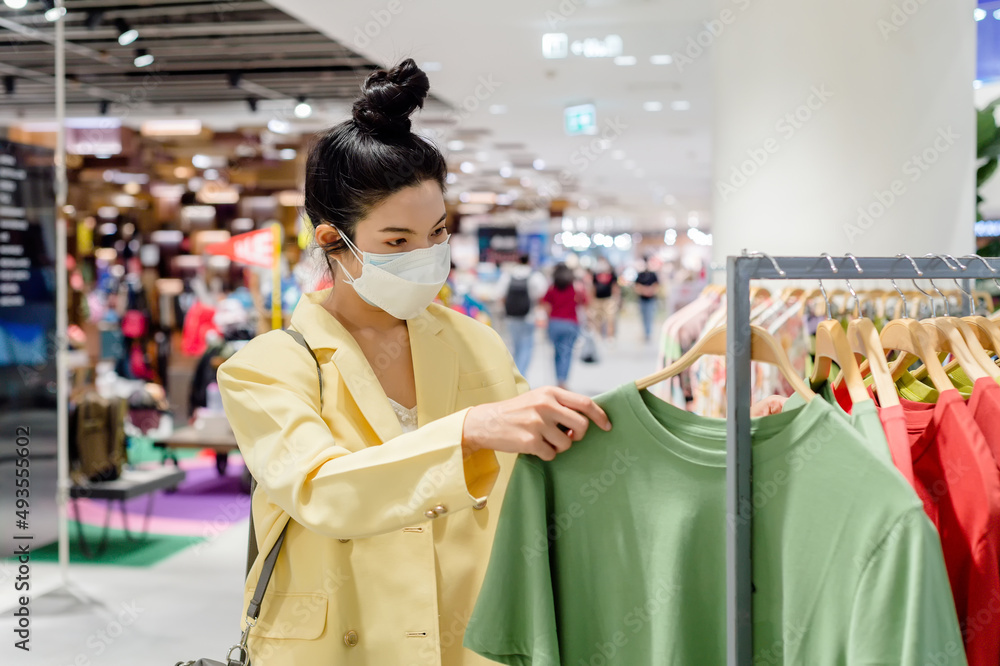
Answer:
(542, 422)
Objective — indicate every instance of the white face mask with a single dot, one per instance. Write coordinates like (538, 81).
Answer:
(403, 283)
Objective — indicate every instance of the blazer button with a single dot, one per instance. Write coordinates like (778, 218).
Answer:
(441, 510)
(343, 540)
(479, 505)
(431, 513)
(351, 638)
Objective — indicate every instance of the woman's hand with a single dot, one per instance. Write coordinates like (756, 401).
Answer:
(542, 422)
(772, 404)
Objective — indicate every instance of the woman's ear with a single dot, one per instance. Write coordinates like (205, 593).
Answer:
(326, 235)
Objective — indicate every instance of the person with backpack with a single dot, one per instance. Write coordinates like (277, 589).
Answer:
(522, 287)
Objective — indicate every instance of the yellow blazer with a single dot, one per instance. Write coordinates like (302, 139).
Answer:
(389, 533)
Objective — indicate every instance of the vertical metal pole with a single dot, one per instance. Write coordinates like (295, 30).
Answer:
(62, 285)
(968, 302)
(739, 599)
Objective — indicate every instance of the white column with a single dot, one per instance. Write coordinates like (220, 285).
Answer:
(844, 127)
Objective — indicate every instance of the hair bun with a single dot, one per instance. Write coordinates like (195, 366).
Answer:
(389, 97)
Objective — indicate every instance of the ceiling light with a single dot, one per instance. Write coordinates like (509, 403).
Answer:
(497, 109)
(467, 167)
(451, 179)
(171, 127)
(430, 66)
(278, 126)
(652, 106)
(15, 4)
(506, 172)
(977, 84)
(133, 188)
(201, 161)
(288, 153)
(979, 13)
(143, 58)
(670, 236)
(555, 45)
(539, 164)
(303, 109)
(680, 105)
(53, 14)
(456, 145)
(661, 59)
(996, 14)
(211, 174)
(126, 33)
(625, 61)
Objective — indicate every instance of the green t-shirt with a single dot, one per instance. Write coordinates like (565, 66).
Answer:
(863, 418)
(614, 553)
(911, 388)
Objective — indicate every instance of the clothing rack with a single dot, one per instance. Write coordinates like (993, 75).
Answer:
(739, 507)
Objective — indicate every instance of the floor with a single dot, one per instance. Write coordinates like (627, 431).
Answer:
(188, 605)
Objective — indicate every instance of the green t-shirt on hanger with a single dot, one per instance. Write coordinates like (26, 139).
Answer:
(863, 418)
(614, 553)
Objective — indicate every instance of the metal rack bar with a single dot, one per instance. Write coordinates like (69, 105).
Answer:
(739, 508)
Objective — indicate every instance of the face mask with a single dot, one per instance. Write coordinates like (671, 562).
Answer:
(403, 283)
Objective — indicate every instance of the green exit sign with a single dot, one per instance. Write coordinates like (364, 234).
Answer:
(580, 119)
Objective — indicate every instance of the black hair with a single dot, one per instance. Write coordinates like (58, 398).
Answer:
(562, 277)
(524, 258)
(359, 163)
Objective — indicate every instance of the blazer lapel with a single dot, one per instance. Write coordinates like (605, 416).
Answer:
(435, 368)
(323, 331)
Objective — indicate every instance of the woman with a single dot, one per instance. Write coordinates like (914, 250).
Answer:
(384, 482)
(560, 303)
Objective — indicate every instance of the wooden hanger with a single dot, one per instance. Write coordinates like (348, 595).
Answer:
(907, 335)
(832, 346)
(763, 348)
(987, 331)
(864, 340)
(946, 336)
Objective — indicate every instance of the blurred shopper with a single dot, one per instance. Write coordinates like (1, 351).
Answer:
(560, 303)
(522, 287)
(647, 288)
(605, 293)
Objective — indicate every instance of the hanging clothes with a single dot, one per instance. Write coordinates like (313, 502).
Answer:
(615, 550)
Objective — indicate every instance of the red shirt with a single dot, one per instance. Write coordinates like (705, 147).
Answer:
(564, 302)
(957, 479)
(985, 407)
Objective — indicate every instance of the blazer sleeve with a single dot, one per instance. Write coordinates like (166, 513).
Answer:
(336, 488)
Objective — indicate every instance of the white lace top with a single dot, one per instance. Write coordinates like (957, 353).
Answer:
(407, 417)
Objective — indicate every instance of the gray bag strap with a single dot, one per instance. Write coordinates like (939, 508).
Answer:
(253, 609)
